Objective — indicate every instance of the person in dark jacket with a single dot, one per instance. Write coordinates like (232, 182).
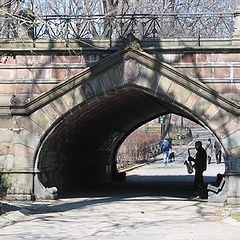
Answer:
(200, 165)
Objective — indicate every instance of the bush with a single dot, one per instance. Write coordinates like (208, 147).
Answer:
(5, 184)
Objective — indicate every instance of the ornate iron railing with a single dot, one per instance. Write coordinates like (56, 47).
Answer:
(144, 26)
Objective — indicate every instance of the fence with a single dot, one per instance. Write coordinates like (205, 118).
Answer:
(112, 27)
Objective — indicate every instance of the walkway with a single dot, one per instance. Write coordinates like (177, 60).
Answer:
(154, 203)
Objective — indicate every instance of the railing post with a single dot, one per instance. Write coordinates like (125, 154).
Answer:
(237, 22)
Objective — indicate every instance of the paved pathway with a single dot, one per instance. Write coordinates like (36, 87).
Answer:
(155, 202)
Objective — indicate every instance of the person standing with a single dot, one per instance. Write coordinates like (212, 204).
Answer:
(200, 165)
(165, 147)
(218, 151)
(209, 148)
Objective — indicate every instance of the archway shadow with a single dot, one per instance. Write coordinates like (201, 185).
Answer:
(137, 188)
(172, 186)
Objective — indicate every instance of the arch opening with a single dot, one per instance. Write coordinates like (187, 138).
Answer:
(82, 148)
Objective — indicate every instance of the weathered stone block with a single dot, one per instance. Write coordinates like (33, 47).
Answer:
(23, 163)
(96, 86)
(6, 162)
(60, 106)
(106, 81)
(147, 78)
(6, 135)
(201, 106)
(26, 138)
(25, 74)
(163, 86)
(211, 111)
(191, 101)
(40, 118)
(59, 73)
(5, 99)
(130, 70)
(188, 58)
(50, 113)
(182, 95)
(7, 74)
(28, 124)
(77, 96)
(232, 140)
(68, 100)
(115, 76)
(6, 148)
(221, 72)
(6, 121)
(23, 150)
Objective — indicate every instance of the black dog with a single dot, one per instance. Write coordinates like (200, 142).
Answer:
(171, 157)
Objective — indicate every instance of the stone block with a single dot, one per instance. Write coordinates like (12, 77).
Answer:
(60, 106)
(43, 74)
(115, 76)
(230, 127)
(163, 86)
(25, 74)
(23, 150)
(68, 100)
(231, 141)
(7, 89)
(20, 184)
(201, 106)
(6, 121)
(96, 86)
(188, 58)
(182, 95)
(5, 99)
(221, 73)
(106, 81)
(59, 74)
(130, 70)
(236, 72)
(211, 111)
(219, 119)
(6, 148)
(33, 59)
(6, 162)
(26, 138)
(77, 96)
(6, 135)
(50, 113)
(147, 78)
(234, 187)
(7, 74)
(191, 101)
(40, 118)
(28, 124)
(23, 163)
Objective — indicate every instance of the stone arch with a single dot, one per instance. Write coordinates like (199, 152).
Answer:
(106, 89)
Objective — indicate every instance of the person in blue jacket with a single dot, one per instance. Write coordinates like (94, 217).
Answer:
(165, 147)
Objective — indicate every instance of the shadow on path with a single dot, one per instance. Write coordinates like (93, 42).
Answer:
(135, 188)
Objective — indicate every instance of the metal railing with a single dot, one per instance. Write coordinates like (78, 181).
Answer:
(113, 27)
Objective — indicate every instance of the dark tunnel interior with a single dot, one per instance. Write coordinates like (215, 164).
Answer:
(81, 148)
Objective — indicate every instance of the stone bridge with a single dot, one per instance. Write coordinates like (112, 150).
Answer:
(66, 106)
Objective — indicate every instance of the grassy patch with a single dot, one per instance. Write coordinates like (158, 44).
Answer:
(236, 216)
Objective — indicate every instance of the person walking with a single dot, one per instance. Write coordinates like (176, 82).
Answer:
(200, 165)
(209, 149)
(165, 147)
(218, 151)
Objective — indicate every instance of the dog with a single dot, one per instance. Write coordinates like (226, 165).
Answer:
(171, 156)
